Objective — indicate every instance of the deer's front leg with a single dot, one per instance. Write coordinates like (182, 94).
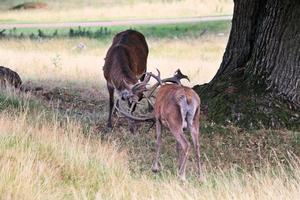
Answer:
(131, 123)
(156, 164)
(111, 105)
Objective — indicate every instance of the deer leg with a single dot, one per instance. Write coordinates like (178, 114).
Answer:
(132, 126)
(111, 105)
(195, 138)
(184, 145)
(179, 152)
(132, 123)
(156, 165)
(193, 126)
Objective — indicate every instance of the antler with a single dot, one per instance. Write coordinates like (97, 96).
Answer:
(130, 116)
(142, 85)
(154, 76)
(178, 75)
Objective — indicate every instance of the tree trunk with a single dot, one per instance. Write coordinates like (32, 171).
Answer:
(258, 82)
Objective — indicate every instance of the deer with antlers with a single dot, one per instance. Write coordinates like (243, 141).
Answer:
(176, 107)
(125, 64)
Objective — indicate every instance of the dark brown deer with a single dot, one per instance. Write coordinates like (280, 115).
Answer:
(9, 77)
(125, 64)
(176, 107)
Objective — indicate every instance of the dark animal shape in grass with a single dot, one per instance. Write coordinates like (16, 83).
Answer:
(9, 77)
(29, 6)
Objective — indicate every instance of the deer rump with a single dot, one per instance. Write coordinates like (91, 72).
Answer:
(126, 59)
(176, 104)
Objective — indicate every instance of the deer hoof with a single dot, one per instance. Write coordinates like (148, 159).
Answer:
(133, 129)
(182, 178)
(156, 167)
(109, 125)
(201, 178)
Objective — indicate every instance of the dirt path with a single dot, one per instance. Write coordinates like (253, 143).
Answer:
(116, 22)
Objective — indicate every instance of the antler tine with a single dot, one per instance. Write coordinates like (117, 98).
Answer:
(138, 86)
(180, 75)
(141, 84)
(176, 78)
(154, 76)
(159, 82)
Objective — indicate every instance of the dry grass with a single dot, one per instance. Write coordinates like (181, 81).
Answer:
(44, 157)
(47, 159)
(61, 62)
(126, 10)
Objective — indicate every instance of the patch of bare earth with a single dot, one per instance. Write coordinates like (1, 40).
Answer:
(30, 6)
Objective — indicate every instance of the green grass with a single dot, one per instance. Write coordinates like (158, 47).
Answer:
(10, 100)
(192, 30)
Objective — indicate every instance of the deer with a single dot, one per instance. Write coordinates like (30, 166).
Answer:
(176, 107)
(125, 65)
(10, 78)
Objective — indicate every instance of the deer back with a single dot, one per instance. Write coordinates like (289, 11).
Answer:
(126, 59)
(9, 77)
(176, 104)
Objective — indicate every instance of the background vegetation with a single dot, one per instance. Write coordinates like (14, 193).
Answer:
(190, 30)
(93, 10)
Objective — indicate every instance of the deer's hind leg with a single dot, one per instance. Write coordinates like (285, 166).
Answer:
(183, 146)
(193, 125)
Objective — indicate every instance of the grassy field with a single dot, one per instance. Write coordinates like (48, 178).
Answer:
(45, 154)
(54, 143)
(64, 60)
(61, 11)
(184, 30)
(60, 149)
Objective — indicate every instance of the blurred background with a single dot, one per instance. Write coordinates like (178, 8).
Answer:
(63, 54)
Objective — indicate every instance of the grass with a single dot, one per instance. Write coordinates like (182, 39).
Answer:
(190, 30)
(11, 100)
(47, 158)
(62, 11)
(61, 60)
(60, 148)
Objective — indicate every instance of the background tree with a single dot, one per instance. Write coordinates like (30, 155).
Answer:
(258, 82)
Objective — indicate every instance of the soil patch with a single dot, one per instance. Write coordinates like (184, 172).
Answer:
(30, 6)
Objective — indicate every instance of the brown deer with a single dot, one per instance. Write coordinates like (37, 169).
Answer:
(176, 107)
(9, 77)
(125, 64)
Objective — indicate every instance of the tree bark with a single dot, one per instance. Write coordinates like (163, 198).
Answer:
(260, 67)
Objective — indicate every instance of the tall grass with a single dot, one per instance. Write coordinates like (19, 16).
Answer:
(50, 159)
(45, 156)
